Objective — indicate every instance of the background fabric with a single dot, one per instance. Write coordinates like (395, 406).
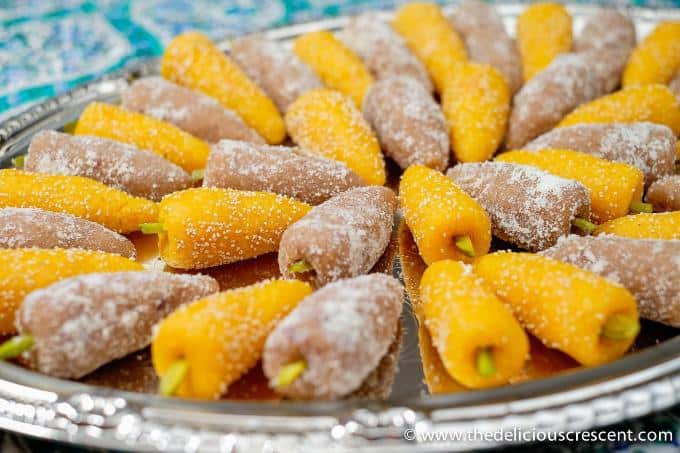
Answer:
(50, 46)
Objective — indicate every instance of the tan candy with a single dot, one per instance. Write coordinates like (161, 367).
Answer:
(275, 69)
(340, 332)
(382, 50)
(566, 83)
(527, 206)
(487, 41)
(607, 39)
(286, 171)
(378, 384)
(341, 238)
(664, 193)
(650, 269)
(470, 15)
(191, 111)
(613, 186)
(409, 123)
(84, 322)
(138, 172)
(31, 227)
(647, 146)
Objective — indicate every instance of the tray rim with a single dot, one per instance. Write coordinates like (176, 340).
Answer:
(102, 417)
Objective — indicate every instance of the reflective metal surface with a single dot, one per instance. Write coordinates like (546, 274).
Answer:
(36, 405)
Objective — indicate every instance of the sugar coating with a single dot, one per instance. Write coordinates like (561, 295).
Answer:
(138, 172)
(647, 146)
(431, 38)
(607, 39)
(657, 58)
(437, 212)
(528, 207)
(336, 65)
(409, 123)
(341, 332)
(383, 51)
(30, 227)
(78, 196)
(566, 83)
(222, 336)
(476, 104)
(664, 193)
(606, 28)
(661, 225)
(275, 68)
(293, 172)
(563, 306)
(543, 32)
(653, 103)
(342, 237)
(650, 269)
(193, 61)
(84, 322)
(144, 132)
(25, 270)
(328, 123)
(463, 316)
(206, 227)
(613, 186)
(487, 41)
(191, 111)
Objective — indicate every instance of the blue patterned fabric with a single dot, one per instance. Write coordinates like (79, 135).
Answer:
(49, 46)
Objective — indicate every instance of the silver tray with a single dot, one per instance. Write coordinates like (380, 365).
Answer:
(36, 405)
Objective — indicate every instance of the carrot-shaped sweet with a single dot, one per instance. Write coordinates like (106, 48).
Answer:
(205, 227)
(576, 311)
(660, 225)
(144, 132)
(328, 123)
(76, 195)
(335, 64)
(653, 103)
(478, 339)
(657, 58)
(444, 220)
(476, 103)
(433, 40)
(203, 347)
(193, 61)
(543, 32)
